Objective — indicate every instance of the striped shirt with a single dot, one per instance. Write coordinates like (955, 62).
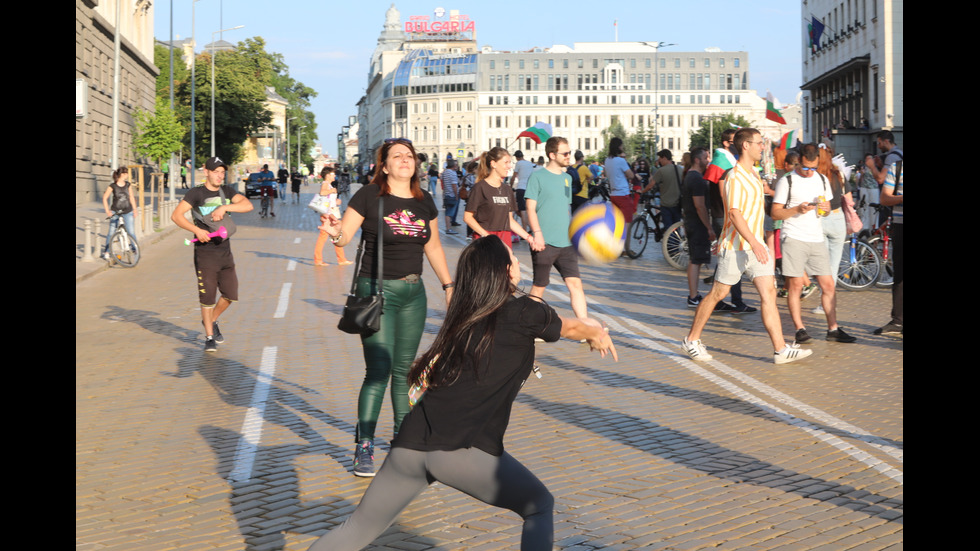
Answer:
(898, 189)
(743, 191)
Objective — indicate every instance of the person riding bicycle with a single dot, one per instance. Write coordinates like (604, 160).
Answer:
(123, 202)
(266, 178)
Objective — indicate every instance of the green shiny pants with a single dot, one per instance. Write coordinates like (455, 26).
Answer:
(389, 353)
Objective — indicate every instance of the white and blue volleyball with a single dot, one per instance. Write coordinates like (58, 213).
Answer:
(598, 232)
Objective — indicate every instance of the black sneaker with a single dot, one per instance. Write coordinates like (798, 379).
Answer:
(838, 335)
(892, 328)
(364, 458)
(210, 345)
(744, 309)
(216, 333)
(724, 307)
(709, 280)
(694, 302)
(802, 336)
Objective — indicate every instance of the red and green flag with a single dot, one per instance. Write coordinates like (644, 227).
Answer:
(789, 139)
(540, 132)
(771, 112)
(721, 161)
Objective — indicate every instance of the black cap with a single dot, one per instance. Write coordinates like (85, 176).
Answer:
(214, 162)
(518, 154)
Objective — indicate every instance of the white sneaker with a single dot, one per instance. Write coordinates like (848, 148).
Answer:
(818, 310)
(696, 350)
(791, 353)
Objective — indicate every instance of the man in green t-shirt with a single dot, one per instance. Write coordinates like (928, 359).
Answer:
(549, 200)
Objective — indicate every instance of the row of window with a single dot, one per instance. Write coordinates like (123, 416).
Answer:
(668, 81)
(632, 62)
(665, 99)
(586, 145)
(450, 107)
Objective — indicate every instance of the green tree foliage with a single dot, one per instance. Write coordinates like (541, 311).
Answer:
(635, 144)
(158, 134)
(699, 137)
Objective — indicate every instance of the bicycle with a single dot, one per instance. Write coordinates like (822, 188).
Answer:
(860, 265)
(880, 239)
(638, 233)
(266, 192)
(123, 248)
(675, 248)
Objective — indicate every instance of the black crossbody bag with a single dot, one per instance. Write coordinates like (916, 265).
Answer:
(362, 315)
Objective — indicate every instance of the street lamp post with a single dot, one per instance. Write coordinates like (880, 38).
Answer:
(289, 165)
(656, 92)
(213, 38)
(299, 140)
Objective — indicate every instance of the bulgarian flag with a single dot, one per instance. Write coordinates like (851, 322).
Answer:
(540, 132)
(721, 161)
(789, 140)
(771, 112)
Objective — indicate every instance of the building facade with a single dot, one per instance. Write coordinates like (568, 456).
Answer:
(95, 28)
(451, 98)
(853, 80)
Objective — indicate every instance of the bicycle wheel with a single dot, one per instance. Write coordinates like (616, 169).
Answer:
(124, 250)
(675, 246)
(887, 276)
(264, 211)
(636, 239)
(860, 270)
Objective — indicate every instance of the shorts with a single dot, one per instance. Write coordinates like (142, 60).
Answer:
(733, 263)
(451, 205)
(521, 203)
(698, 244)
(215, 271)
(803, 257)
(562, 258)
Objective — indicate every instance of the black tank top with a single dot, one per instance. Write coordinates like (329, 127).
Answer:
(120, 198)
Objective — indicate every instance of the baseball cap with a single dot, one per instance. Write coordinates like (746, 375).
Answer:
(214, 162)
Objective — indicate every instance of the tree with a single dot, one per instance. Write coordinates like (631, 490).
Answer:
(699, 138)
(158, 134)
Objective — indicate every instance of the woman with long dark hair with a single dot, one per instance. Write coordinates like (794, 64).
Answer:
(122, 201)
(411, 231)
(474, 368)
(491, 206)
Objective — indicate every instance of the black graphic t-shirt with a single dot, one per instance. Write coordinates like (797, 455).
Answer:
(406, 231)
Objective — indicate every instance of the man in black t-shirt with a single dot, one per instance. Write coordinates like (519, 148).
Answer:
(213, 261)
(697, 221)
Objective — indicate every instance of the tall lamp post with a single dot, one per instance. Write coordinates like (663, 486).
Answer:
(656, 93)
(193, 86)
(299, 140)
(213, 38)
(289, 165)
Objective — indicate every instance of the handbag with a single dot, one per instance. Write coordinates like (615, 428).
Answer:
(210, 224)
(854, 222)
(417, 390)
(362, 315)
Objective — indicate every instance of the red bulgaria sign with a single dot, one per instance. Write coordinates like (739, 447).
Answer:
(423, 24)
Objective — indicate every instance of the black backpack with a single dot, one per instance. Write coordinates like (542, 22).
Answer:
(576, 180)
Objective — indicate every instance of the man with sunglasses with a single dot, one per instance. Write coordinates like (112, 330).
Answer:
(800, 196)
(743, 251)
(549, 201)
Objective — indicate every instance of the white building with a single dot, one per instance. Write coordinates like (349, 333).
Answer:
(450, 98)
(853, 80)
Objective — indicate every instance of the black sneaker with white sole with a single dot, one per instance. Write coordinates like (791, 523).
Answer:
(210, 345)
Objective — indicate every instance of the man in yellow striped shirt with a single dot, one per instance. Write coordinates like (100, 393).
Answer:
(743, 251)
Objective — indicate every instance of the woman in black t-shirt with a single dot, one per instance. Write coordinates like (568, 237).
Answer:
(410, 230)
(491, 206)
(477, 365)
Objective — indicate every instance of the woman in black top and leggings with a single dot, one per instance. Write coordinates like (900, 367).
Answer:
(454, 434)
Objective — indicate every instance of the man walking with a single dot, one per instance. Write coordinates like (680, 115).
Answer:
(743, 250)
(213, 261)
(804, 246)
(522, 172)
(697, 222)
(450, 195)
(549, 200)
(893, 195)
(667, 179)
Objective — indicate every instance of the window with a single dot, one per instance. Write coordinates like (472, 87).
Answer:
(677, 63)
(707, 63)
(588, 143)
(721, 62)
(663, 63)
(506, 64)
(564, 64)
(736, 61)
(690, 63)
(520, 64)
(449, 133)
(580, 63)
(492, 64)
(551, 63)
(536, 64)
(647, 62)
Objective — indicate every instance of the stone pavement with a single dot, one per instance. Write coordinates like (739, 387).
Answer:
(251, 447)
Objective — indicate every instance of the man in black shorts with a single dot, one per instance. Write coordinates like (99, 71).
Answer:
(697, 221)
(213, 261)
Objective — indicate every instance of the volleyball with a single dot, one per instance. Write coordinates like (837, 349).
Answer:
(598, 232)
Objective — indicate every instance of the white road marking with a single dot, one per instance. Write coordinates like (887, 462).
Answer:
(248, 444)
(610, 317)
(297, 240)
(291, 265)
(283, 300)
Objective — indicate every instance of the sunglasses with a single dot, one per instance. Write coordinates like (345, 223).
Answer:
(390, 141)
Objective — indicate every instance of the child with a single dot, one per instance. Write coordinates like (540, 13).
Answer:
(327, 202)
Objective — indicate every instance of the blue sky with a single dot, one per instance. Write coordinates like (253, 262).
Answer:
(328, 44)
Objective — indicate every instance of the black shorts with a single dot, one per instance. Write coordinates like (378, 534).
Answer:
(215, 271)
(521, 203)
(698, 244)
(563, 258)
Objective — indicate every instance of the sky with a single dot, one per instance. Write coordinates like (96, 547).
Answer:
(328, 44)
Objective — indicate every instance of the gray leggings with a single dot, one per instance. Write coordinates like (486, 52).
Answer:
(499, 481)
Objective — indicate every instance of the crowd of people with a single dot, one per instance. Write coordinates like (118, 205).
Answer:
(485, 347)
